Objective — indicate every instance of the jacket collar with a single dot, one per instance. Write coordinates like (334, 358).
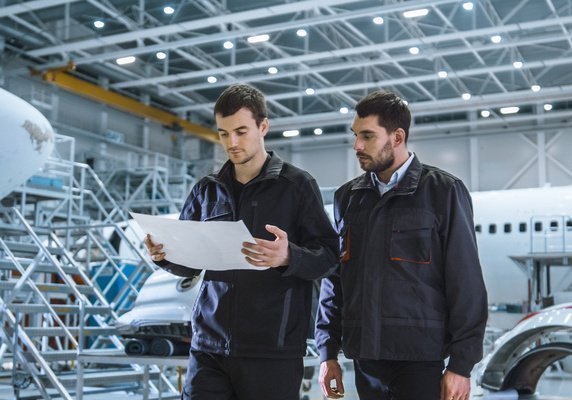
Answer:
(407, 184)
(270, 171)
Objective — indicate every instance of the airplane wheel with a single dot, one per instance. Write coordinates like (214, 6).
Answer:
(137, 347)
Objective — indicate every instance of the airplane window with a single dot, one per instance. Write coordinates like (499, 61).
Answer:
(538, 226)
(569, 225)
(553, 225)
(493, 228)
(522, 227)
(478, 228)
(507, 228)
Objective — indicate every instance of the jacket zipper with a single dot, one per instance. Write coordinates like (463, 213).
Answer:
(234, 210)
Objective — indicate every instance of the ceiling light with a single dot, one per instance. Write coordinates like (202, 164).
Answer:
(468, 6)
(442, 74)
(125, 60)
(161, 55)
(485, 113)
(466, 96)
(168, 10)
(211, 79)
(496, 39)
(509, 110)
(310, 91)
(414, 50)
(344, 110)
(416, 13)
(99, 24)
(517, 64)
(547, 107)
(301, 32)
(258, 38)
(291, 133)
(272, 70)
(535, 88)
(378, 20)
(318, 131)
(228, 45)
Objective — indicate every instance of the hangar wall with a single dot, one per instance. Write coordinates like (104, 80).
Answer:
(487, 161)
(484, 162)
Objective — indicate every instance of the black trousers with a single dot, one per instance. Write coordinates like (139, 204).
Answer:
(216, 377)
(398, 380)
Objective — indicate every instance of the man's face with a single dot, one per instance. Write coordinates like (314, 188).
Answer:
(239, 135)
(373, 144)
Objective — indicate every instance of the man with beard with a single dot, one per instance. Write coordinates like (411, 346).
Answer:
(408, 291)
(249, 327)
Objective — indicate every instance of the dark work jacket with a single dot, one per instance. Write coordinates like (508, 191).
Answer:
(409, 285)
(265, 313)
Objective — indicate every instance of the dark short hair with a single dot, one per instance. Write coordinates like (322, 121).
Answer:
(236, 97)
(391, 110)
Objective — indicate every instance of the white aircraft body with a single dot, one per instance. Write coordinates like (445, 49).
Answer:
(516, 223)
(27, 141)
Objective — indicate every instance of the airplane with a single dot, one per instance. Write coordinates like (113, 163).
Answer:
(511, 224)
(26, 136)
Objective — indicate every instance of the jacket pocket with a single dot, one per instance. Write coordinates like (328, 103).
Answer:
(410, 303)
(411, 238)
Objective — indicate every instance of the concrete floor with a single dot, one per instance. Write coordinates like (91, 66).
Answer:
(550, 387)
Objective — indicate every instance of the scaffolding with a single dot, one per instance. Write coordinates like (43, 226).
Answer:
(63, 284)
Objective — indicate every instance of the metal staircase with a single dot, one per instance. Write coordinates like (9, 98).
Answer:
(63, 284)
(148, 183)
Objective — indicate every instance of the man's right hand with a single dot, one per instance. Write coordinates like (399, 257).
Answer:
(155, 250)
(330, 370)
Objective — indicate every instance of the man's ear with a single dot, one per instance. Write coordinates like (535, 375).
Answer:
(264, 127)
(398, 137)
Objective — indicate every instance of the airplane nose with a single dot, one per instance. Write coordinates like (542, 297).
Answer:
(26, 135)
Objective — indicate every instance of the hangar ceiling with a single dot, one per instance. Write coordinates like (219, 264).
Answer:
(457, 63)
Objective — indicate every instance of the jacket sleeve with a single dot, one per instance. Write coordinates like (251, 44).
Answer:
(328, 331)
(315, 253)
(465, 289)
(191, 212)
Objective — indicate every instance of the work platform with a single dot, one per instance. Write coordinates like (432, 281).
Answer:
(550, 247)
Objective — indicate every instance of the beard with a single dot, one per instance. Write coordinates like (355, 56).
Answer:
(381, 162)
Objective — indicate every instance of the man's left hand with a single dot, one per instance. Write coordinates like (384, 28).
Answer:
(455, 387)
(268, 253)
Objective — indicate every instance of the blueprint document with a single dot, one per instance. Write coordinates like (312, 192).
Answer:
(211, 245)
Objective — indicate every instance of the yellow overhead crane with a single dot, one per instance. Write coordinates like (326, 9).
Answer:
(61, 78)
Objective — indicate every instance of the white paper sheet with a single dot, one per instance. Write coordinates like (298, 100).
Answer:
(211, 245)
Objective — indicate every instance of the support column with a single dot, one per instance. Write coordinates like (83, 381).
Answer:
(145, 141)
(352, 165)
(296, 157)
(474, 163)
(104, 117)
(541, 149)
